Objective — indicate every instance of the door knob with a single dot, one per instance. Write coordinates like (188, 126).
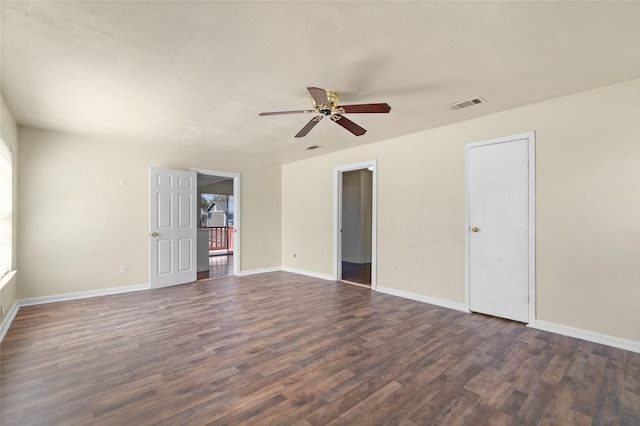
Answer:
(154, 234)
(474, 229)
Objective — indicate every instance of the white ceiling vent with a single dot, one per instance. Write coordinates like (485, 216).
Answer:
(468, 103)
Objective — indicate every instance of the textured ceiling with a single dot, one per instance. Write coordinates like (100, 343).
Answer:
(196, 74)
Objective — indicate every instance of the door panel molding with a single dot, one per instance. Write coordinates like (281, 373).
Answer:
(337, 216)
(172, 230)
(530, 138)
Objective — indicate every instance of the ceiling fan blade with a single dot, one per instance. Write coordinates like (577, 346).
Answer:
(366, 108)
(310, 125)
(287, 112)
(318, 95)
(349, 125)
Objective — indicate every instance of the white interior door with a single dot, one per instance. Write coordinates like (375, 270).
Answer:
(498, 228)
(172, 227)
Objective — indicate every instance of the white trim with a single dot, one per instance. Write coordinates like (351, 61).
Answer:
(532, 226)
(8, 319)
(82, 294)
(531, 143)
(308, 273)
(259, 271)
(337, 216)
(337, 247)
(424, 299)
(237, 229)
(616, 342)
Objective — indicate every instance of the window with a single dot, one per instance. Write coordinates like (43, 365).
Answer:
(5, 209)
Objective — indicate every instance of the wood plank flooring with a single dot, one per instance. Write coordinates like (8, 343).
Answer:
(285, 349)
(219, 266)
(356, 272)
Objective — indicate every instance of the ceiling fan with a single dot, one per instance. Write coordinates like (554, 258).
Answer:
(325, 103)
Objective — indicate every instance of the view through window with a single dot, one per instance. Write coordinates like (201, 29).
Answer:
(5, 209)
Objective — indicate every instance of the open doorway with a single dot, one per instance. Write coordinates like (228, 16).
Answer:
(217, 251)
(355, 192)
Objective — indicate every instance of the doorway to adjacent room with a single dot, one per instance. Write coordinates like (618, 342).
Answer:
(218, 224)
(355, 200)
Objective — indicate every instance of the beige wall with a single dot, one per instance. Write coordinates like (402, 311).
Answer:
(588, 208)
(9, 134)
(78, 225)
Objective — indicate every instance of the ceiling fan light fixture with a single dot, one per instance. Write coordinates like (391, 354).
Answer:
(325, 104)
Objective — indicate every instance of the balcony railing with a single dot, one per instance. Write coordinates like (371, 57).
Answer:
(220, 238)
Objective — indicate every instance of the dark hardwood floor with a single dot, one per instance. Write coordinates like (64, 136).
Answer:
(356, 272)
(219, 266)
(283, 349)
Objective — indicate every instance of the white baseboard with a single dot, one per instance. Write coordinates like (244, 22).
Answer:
(81, 295)
(258, 271)
(616, 342)
(308, 273)
(420, 298)
(8, 319)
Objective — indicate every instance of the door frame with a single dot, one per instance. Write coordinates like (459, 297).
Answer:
(337, 216)
(531, 142)
(237, 229)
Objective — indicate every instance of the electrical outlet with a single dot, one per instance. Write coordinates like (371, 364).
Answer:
(123, 269)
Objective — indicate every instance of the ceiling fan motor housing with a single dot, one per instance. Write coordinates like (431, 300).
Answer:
(330, 109)
(325, 103)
